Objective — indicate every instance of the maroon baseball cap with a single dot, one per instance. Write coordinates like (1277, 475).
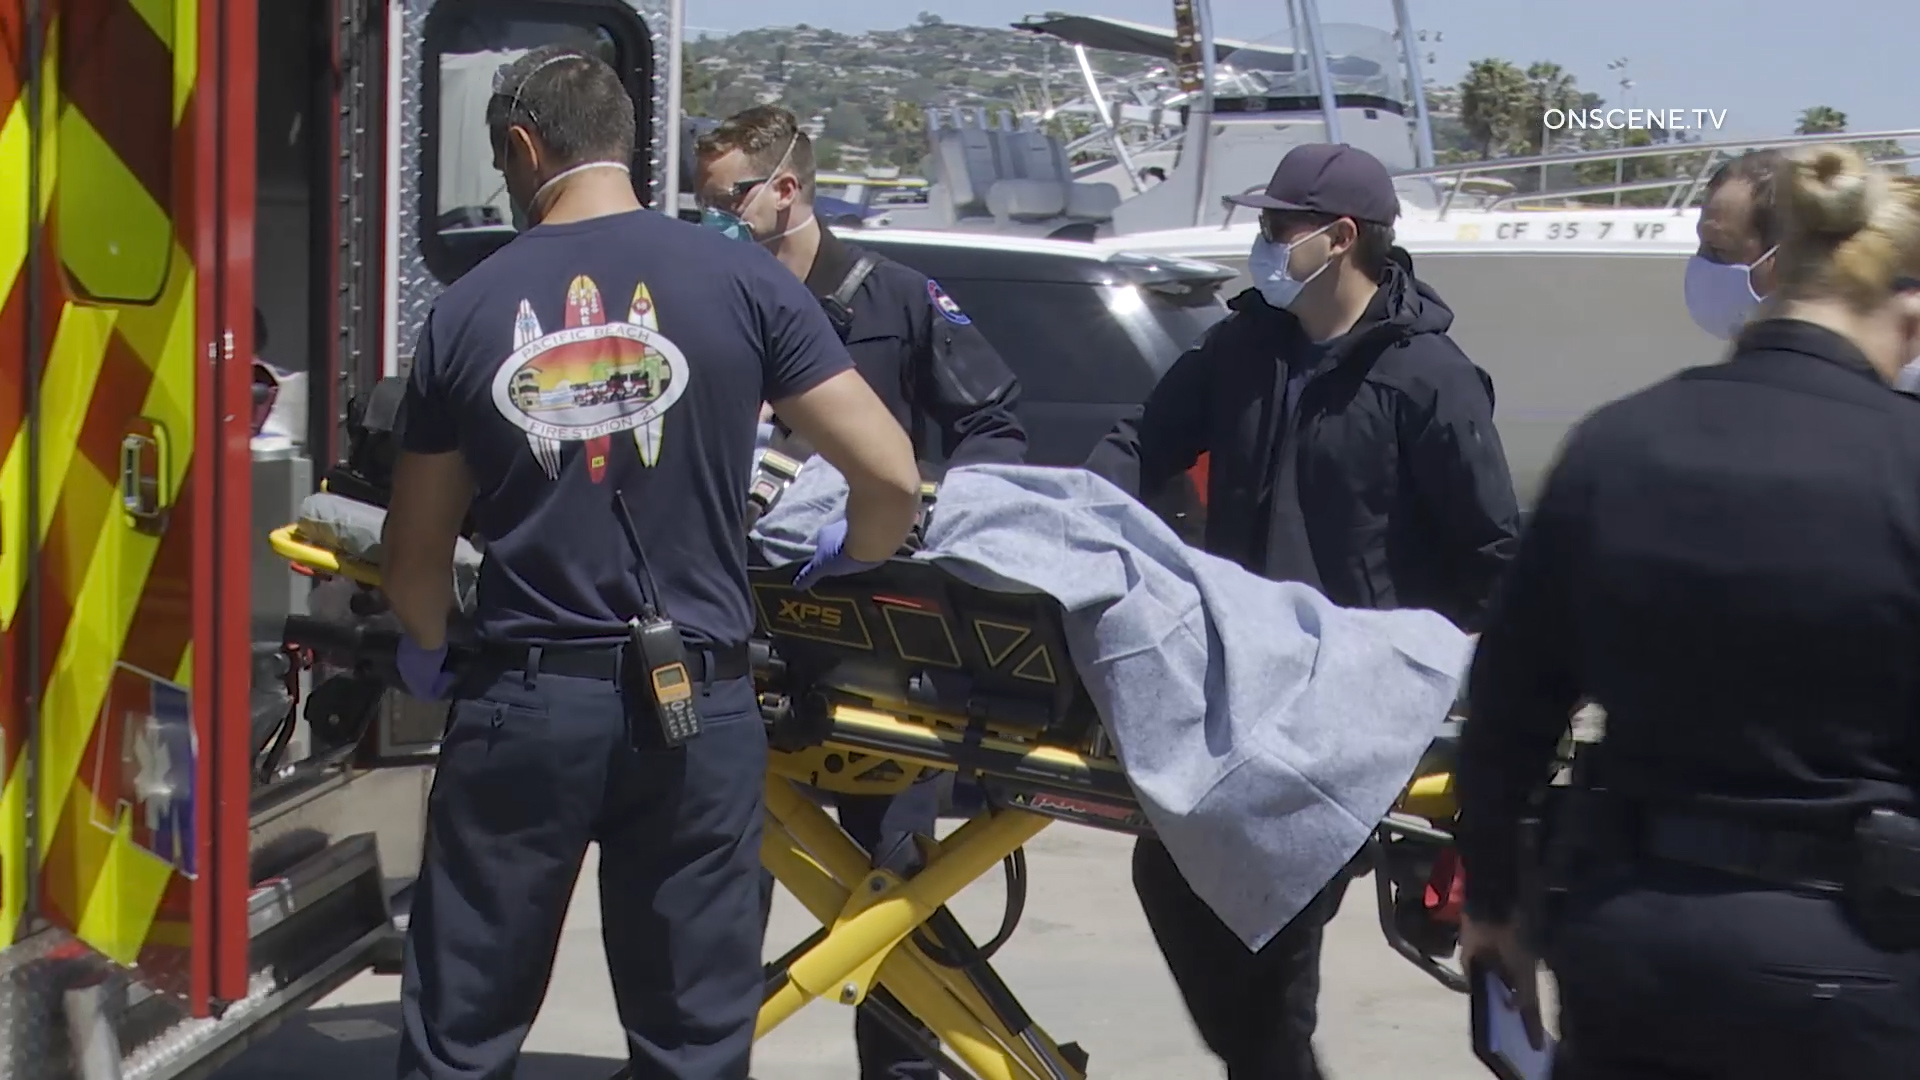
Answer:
(1329, 178)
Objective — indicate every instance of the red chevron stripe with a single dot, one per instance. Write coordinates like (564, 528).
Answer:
(118, 395)
(120, 76)
(162, 625)
(13, 331)
(79, 520)
(13, 29)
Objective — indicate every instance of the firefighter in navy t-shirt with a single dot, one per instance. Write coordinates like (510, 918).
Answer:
(608, 362)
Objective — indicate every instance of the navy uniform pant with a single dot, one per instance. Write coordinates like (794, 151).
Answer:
(885, 826)
(1255, 1010)
(1672, 973)
(529, 774)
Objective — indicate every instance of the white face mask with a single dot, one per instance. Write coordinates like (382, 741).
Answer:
(1267, 265)
(1720, 296)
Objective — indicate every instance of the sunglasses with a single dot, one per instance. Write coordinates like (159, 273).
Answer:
(1276, 224)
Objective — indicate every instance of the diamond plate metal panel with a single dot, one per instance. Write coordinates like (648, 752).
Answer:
(35, 1040)
(418, 287)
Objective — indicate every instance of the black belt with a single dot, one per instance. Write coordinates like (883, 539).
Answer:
(1775, 856)
(704, 665)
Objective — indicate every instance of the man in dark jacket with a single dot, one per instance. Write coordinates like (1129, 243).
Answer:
(1352, 448)
(931, 366)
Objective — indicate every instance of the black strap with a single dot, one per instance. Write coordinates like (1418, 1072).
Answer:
(839, 303)
(704, 665)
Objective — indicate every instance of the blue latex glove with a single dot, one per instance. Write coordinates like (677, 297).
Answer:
(422, 670)
(830, 558)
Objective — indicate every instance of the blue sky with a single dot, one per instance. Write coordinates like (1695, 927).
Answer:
(1760, 60)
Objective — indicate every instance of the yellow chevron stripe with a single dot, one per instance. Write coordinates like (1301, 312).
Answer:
(158, 15)
(110, 589)
(122, 255)
(15, 146)
(185, 40)
(66, 387)
(13, 864)
(127, 894)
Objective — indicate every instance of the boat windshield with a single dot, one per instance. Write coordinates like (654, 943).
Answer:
(1360, 60)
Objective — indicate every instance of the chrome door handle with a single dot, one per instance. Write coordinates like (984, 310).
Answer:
(143, 474)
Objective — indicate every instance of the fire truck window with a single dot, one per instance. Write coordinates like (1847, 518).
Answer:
(472, 192)
(464, 202)
(113, 201)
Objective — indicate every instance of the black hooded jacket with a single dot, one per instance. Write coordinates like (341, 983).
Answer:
(1386, 487)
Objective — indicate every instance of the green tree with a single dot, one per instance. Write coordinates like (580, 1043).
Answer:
(846, 124)
(826, 154)
(696, 86)
(1827, 120)
(1821, 120)
(1548, 87)
(1491, 99)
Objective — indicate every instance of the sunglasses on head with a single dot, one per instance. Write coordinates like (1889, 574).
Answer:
(1906, 284)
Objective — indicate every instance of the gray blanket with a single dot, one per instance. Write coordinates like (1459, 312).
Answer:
(1265, 730)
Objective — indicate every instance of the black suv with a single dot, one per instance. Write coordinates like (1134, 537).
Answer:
(1088, 331)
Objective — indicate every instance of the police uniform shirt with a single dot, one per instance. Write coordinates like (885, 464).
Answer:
(1729, 563)
(924, 357)
(628, 352)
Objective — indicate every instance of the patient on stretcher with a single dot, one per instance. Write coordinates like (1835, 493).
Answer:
(1262, 730)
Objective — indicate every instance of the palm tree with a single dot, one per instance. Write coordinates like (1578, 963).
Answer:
(1821, 120)
(1549, 87)
(905, 118)
(1492, 97)
(1827, 120)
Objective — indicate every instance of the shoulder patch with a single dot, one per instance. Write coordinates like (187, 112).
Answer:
(944, 304)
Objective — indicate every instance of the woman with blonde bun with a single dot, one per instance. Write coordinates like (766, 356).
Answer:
(1729, 564)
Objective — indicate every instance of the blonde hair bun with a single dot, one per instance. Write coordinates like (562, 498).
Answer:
(1833, 192)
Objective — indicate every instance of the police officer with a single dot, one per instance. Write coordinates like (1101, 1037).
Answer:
(1733, 271)
(1352, 448)
(922, 354)
(590, 393)
(1729, 564)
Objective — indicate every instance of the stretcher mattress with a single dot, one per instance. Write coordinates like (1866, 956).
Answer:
(352, 528)
(1265, 730)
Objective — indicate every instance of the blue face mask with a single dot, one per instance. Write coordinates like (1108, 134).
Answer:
(733, 225)
(727, 225)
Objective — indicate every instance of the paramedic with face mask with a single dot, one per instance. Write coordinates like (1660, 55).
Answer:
(941, 379)
(1733, 271)
(1727, 562)
(1352, 448)
(612, 613)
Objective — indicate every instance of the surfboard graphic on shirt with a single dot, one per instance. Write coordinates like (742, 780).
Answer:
(646, 437)
(590, 380)
(584, 309)
(526, 330)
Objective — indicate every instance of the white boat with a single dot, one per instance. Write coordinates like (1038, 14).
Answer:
(1565, 305)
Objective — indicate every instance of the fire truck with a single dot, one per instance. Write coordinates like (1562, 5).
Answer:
(188, 187)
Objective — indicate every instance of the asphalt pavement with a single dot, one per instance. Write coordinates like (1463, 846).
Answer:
(1082, 961)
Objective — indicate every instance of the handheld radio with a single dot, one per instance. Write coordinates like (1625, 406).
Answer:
(656, 684)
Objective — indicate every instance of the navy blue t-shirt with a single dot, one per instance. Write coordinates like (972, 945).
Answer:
(629, 352)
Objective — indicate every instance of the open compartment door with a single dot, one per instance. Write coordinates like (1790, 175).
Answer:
(17, 175)
(133, 838)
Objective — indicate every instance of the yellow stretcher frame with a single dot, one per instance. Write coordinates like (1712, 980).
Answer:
(870, 919)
